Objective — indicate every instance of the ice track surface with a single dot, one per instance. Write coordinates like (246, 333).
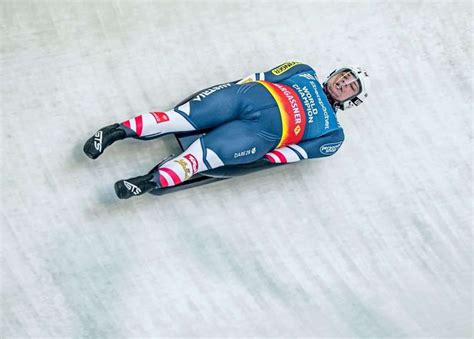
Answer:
(373, 242)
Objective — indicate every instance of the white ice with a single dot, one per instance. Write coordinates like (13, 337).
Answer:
(375, 241)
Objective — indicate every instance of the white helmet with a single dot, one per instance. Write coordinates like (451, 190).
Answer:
(364, 84)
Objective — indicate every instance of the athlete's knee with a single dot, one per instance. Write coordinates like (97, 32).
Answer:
(211, 158)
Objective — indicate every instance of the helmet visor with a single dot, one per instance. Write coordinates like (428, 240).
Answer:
(343, 85)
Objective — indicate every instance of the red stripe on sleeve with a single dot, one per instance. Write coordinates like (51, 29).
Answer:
(280, 156)
(139, 123)
(172, 174)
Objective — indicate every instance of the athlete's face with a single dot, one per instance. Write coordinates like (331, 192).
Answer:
(342, 86)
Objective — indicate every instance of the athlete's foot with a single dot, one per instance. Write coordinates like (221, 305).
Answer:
(104, 137)
(135, 186)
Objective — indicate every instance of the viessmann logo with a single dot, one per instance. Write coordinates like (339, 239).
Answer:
(330, 148)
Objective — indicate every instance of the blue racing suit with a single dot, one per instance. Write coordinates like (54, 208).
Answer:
(282, 114)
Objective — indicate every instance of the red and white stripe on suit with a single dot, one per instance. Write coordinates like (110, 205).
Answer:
(290, 153)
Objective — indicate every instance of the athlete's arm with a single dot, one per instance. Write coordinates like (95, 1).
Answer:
(278, 73)
(314, 148)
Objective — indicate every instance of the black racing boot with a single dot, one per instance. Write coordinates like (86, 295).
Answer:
(104, 137)
(135, 186)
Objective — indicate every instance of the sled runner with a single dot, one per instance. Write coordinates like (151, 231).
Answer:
(185, 139)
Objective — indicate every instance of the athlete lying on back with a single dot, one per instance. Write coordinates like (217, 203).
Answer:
(283, 115)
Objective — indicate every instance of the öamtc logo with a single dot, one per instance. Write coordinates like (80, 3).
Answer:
(330, 148)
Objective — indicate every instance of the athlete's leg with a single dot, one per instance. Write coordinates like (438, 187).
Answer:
(207, 109)
(236, 142)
